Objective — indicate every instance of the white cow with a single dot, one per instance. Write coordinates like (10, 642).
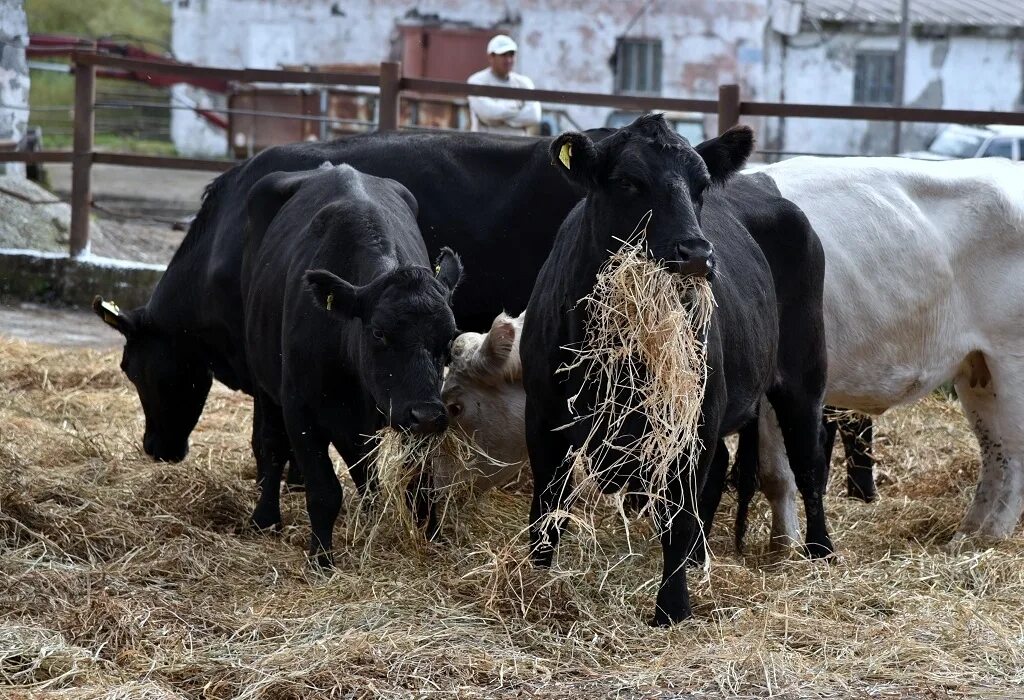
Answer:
(924, 282)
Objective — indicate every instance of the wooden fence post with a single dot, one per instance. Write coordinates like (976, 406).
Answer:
(81, 159)
(728, 107)
(390, 84)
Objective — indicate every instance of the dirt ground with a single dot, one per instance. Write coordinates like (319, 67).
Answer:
(142, 212)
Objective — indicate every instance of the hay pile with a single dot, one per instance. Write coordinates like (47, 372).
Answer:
(121, 578)
(643, 351)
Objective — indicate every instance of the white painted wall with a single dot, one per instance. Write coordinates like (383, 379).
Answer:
(960, 72)
(564, 44)
(14, 79)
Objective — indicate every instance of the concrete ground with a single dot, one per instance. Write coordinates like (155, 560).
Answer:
(57, 326)
(142, 212)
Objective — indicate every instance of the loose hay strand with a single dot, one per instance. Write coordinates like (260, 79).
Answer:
(644, 350)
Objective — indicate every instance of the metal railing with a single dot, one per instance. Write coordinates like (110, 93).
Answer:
(390, 83)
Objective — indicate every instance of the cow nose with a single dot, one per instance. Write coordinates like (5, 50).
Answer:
(428, 418)
(692, 258)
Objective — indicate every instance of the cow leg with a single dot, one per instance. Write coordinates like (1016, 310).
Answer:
(294, 479)
(679, 541)
(711, 497)
(995, 407)
(745, 477)
(799, 419)
(680, 524)
(323, 490)
(776, 480)
(421, 501)
(552, 484)
(271, 448)
(857, 433)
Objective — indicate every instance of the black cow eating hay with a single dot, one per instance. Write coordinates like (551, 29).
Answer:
(693, 229)
(347, 329)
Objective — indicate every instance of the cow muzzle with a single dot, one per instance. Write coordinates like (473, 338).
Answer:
(427, 418)
(164, 450)
(692, 258)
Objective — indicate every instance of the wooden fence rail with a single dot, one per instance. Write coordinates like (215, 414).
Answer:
(730, 108)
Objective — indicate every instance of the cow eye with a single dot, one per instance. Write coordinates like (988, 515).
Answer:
(380, 336)
(628, 185)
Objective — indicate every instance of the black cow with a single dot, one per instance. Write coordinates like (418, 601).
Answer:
(495, 199)
(365, 349)
(766, 336)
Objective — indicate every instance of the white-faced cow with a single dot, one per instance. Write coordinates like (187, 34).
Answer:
(765, 336)
(347, 329)
(483, 393)
(924, 283)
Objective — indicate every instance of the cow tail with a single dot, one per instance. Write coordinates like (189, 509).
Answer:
(744, 478)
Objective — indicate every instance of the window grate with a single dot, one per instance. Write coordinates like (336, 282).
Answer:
(874, 80)
(638, 66)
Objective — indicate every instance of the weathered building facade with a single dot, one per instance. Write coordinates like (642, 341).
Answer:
(965, 54)
(681, 48)
(961, 54)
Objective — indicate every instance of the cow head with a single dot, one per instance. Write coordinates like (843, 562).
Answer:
(406, 327)
(483, 392)
(171, 377)
(647, 166)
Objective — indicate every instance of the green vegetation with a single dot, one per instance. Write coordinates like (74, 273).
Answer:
(133, 20)
(51, 96)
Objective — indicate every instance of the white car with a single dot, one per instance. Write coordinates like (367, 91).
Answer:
(960, 141)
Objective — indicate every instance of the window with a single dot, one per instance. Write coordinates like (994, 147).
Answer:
(873, 78)
(638, 66)
(999, 148)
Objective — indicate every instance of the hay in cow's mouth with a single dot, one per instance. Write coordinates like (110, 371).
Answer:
(644, 341)
(399, 458)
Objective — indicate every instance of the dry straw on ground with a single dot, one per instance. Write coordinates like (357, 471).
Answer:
(644, 354)
(121, 578)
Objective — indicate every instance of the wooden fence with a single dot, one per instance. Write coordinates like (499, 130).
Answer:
(730, 108)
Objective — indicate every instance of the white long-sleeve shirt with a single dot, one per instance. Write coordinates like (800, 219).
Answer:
(498, 115)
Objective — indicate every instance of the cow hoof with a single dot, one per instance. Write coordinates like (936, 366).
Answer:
(819, 550)
(663, 619)
(321, 560)
(266, 523)
(861, 492)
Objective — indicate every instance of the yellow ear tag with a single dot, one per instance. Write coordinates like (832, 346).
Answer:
(437, 270)
(330, 300)
(111, 307)
(565, 154)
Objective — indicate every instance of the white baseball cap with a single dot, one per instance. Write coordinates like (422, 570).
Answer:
(501, 44)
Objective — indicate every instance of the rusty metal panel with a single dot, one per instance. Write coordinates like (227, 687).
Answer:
(443, 53)
(250, 132)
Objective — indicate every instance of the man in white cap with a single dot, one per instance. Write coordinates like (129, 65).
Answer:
(499, 115)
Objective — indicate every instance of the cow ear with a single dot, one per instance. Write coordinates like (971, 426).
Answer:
(575, 155)
(498, 342)
(333, 293)
(726, 154)
(448, 269)
(267, 196)
(111, 315)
